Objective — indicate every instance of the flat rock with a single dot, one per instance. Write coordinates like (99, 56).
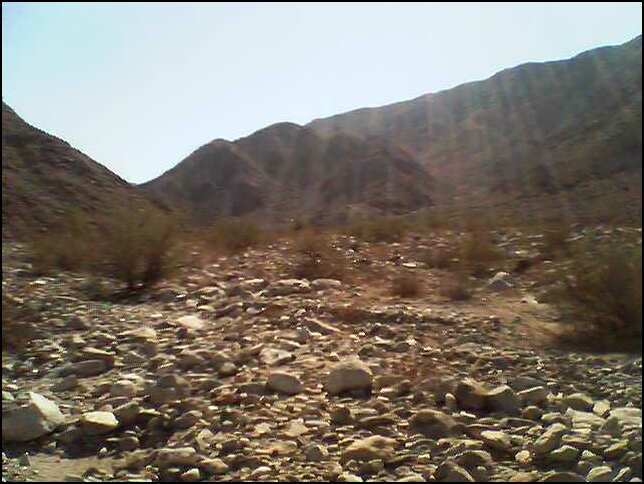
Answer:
(348, 376)
(97, 423)
(370, 448)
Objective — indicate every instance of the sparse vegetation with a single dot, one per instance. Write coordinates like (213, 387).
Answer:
(456, 287)
(601, 295)
(316, 258)
(439, 258)
(555, 239)
(406, 285)
(378, 229)
(478, 253)
(134, 246)
(234, 235)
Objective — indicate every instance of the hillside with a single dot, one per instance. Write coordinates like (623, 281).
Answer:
(286, 170)
(567, 131)
(43, 178)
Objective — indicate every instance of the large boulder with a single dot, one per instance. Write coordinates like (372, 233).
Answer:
(39, 417)
(349, 376)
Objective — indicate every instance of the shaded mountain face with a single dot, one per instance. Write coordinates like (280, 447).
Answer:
(44, 178)
(540, 129)
(287, 170)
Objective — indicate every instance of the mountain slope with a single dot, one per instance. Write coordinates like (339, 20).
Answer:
(536, 129)
(43, 178)
(286, 170)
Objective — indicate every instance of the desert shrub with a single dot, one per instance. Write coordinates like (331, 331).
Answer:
(68, 246)
(406, 285)
(139, 247)
(439, 258)
(16, 333)
(378, 229)
(316, 258)
(478, 253)
(456, 287)
(555, 239)
(602, 295)
(234, 235)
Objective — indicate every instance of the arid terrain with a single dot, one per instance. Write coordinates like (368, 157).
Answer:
(234, 370)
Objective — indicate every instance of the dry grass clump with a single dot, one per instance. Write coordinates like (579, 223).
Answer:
(316, 258)
(439, 258)
(406, 285)
(602, 297)
(555, 239)
(478, 253)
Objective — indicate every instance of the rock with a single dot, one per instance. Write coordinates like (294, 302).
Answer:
(285, 287)
(66, 384)
(497, 440)
(500, 282)
(39, 417)
(534, 395)
(600, 474)
(127, 413)
(628, 416)
(123, 388)
(84, 368)
(563, 477)
(523, 458)
(348, 376)
(450, 472)
(227, 369)
(97, 423)
(191, 322)
(435, 424)
(318, 326)
(275, 357)
(616, 451)
(565, 453)
(550, 439)
(187, 419)
(214, 466)
(601, 408)
(473, 458)
(283, 382)
(181, 456)
(584, 419)
(578, 401)
(341, 415)
(412, 478)
(503, 399)
(370, 448)
(321, 284)
(191, 475)
(348, 477)
(470, 395)
(316, 453)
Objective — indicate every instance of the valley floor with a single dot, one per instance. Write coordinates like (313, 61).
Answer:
(186, 365)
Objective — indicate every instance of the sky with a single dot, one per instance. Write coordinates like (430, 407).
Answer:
(138, 87)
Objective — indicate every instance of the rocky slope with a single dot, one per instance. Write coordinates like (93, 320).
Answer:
(43, 178)
(233, 371)
(287, 170)
(567, 131)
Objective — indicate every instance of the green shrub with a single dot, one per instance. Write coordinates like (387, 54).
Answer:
(478, 253)
(378, 229)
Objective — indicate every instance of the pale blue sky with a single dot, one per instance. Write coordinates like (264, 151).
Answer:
(140, 86)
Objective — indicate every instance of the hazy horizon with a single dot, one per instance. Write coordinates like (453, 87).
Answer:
(138, 87)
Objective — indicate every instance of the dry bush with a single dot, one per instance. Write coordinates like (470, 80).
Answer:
(555, 239)
(234, 235)
(456, 288)
(406, 285)
(134, 246)
(16, 332)
(378, 229)
(67, 247)
(602, 294)
(316, 258)
(139, 247)
(478, 253)
(439, 258)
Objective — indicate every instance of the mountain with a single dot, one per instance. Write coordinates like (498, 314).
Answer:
(287, 170)
(560, 131)
(44, 178)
